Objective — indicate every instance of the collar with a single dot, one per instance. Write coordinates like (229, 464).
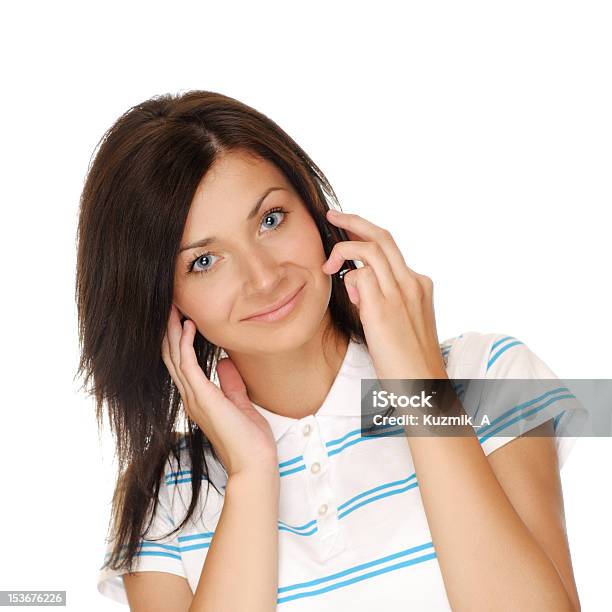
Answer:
(344, 396)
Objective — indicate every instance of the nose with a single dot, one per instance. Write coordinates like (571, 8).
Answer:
(262, 270)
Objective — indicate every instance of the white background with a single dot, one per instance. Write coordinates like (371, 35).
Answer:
(477, 132)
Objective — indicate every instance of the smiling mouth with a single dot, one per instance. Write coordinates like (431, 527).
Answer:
(280, 311)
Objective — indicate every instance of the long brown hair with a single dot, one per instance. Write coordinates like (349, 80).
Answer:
(133, 207)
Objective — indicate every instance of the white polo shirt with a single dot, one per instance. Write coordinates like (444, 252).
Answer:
(352, 530)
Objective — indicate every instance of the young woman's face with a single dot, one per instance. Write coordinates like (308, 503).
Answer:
(251, 263)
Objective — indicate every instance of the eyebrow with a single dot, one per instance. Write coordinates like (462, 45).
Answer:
(206, 241)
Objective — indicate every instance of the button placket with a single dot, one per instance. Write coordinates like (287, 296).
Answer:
(318, 479)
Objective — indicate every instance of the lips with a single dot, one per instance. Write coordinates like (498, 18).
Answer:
(276, 305)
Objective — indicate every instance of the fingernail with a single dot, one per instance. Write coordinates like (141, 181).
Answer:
(333, 212)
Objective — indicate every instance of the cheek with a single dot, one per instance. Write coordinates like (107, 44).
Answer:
(211, 311)
(203, 303)
(307, 247)
(309, 254)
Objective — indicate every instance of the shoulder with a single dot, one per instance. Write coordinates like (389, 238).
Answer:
(477, 354)
(499, 376)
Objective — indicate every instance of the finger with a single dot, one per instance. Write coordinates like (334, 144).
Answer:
(361, 229)
(232, 384)
(168, 361)
(174, 332)
(199, 389)
(372, 255)
(410, 283)
(364, 280)
(190, 368)
(416, 289)
(165, 351)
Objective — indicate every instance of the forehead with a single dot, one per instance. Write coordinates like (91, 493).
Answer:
(236, 180)
(228, 192)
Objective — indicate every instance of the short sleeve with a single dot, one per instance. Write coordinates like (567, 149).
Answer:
(162, 555)
(520, 392)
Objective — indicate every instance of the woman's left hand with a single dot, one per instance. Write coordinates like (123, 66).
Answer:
(395, 303)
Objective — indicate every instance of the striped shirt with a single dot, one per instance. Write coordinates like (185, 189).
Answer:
(352, 529)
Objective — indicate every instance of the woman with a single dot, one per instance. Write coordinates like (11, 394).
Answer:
(199, 214)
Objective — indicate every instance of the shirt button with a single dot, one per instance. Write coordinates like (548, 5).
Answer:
(315, 467)
(306, 430)
(323, 509)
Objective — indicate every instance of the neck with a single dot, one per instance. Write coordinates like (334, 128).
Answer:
(293, 383)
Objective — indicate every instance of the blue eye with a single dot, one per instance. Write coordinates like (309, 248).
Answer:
(191, 268)
(198, 259)
(272, 212)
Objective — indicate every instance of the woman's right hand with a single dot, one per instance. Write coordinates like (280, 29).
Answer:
(241, 437)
